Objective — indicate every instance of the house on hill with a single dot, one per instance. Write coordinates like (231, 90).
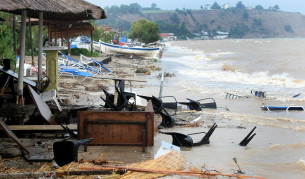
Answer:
(226, 6)
(207, 7)
(168, 36)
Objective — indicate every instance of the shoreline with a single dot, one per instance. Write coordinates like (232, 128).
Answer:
(255, 159)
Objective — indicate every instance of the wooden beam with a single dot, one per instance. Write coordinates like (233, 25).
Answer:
(41, 127)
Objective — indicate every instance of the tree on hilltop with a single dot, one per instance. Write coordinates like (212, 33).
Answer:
(259, 7)
(215, 6)
(240, 5)
(146, 31)
(276, 7)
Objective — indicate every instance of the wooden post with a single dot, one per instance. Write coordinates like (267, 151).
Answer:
(22, 57)
(49, 32)
(69, 47)
(40, 46)
(14, 33)
(31, 38)
(91, 43)
(55, 36)
(62, 39)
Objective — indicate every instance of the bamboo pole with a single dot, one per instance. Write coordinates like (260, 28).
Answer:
(40, 46)
(22, 57)
(171, 172)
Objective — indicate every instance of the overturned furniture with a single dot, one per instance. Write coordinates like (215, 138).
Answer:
(66, 151)
(158, 107)
(196, 105)
(248, 138)
(183, 140)
(120, 100)
(129, 128)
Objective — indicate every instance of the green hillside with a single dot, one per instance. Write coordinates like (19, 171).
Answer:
(240, 23)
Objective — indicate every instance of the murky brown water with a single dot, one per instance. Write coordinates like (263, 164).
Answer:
(278, 149)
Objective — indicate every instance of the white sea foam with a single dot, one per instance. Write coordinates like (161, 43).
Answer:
(301, 163)
(280, 122)
(198, 66)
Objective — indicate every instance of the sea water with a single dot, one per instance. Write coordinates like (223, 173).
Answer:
(214, 68)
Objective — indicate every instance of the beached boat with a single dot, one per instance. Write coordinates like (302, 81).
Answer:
(127, 49)
(281, 108)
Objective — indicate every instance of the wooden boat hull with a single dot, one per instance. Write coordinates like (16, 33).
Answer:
(139, 51)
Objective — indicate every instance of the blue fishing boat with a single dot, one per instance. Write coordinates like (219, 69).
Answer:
(281, 108)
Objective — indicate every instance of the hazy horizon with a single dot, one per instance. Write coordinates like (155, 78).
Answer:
(288, 6)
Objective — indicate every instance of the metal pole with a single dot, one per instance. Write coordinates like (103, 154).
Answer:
(22, 57)
(40, 46)
(161, 85)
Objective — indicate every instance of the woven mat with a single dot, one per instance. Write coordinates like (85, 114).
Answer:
(171, 161)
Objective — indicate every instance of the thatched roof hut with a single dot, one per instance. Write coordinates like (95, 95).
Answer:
(54, 9)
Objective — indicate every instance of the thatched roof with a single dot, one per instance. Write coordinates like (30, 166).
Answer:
(54, 9)
(67, 29)
(73, 29)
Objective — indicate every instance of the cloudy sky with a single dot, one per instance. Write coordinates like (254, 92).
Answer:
(285, 5)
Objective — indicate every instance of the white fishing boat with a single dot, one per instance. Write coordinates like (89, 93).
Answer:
(151, 52)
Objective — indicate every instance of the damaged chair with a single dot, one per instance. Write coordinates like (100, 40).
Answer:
(122, 101)
(66, 151)
(167, 119)
(196, 105)
(183, 140)
(159, 108)
(248, 138)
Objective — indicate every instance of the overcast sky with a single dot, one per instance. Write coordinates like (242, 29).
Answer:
(285, 5)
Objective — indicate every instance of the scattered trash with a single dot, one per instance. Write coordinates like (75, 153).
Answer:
(297, 95)
(260, 94)
(234, 96)
(166, 148)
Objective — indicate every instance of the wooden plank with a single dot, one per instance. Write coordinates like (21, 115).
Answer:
(15, 75)
(42, 106)
(40, 127)
(120, 79)
(11, 135)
